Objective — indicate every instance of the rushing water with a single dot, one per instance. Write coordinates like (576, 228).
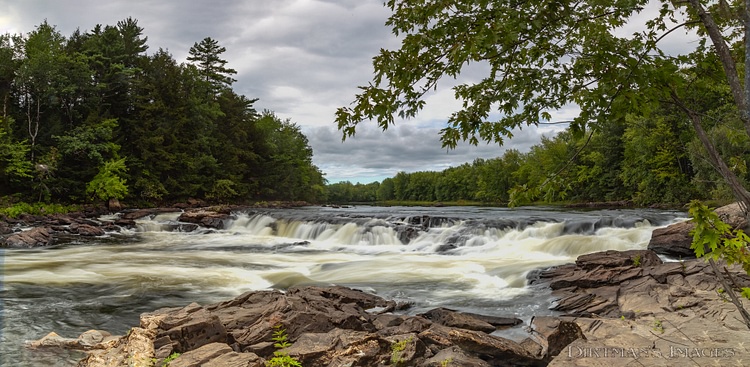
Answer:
(467, 258)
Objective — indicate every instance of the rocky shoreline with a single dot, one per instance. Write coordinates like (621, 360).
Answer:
(615, 309)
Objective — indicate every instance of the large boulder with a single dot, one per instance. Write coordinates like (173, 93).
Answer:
(675, 240)
(35, 237)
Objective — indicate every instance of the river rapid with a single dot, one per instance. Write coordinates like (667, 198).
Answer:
(472, 259)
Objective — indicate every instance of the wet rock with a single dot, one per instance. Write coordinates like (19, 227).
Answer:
(114, 205)
(5, 228)
(92, 339)
(204, 218)
(35, 237)
(140, 213)
(86, 230)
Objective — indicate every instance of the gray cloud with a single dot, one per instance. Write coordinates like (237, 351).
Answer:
(373, 154)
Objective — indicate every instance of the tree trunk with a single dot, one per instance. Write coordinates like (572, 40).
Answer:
(739, 191)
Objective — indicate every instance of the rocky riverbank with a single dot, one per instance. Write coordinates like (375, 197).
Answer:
(615, 309)
(31, 231)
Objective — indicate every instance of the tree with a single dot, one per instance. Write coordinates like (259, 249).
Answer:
(206, 57)
(543, 55)
(109, 182)
(36, 76)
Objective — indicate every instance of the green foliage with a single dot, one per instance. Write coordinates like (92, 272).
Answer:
(637, 260)
(280, 357)
(222, 190)
(540, 56)
(715, 239)
(397, 348)
(206, 55)
(108, 183)
(169, 359)
(658, 326)
(17, 209)
(76, 104)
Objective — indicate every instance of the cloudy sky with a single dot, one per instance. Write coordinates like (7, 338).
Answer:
(301, 58)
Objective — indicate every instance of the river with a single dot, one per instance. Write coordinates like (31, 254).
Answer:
(466, 258)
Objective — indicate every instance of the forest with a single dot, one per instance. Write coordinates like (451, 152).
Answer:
(91, 117)
(646, 160)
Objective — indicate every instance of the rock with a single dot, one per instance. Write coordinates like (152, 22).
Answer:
(35, 237)
(554, 334)
(86, 230)
(614, 284)
(675, 240)
(612, 259)
(215, 355)
(5, 228)
(444, 316)
(134, 349)
(325, 326)
(114, 205)
(204, 218)
(140, 213)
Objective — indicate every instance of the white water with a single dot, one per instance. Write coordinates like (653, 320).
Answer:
(465, 264)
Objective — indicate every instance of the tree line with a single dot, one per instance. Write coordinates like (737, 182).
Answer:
(654, 159)
(92, 116)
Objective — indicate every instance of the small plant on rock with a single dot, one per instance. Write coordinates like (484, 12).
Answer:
(280, 357)
(169, 359)
(637, 260)
(397, 348)
(658, 327)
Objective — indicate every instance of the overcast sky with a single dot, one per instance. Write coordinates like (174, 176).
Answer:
(302, 59)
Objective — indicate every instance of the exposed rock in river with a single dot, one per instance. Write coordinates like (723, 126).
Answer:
(35, 237)
(675, 240)
(329, 326)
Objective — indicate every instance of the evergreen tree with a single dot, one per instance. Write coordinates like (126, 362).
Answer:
(206, 56)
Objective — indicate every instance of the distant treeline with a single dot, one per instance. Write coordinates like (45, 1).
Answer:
(647, 161)
(92, 116)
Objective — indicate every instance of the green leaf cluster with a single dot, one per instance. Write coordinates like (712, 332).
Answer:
(717, 240)
(280, 357)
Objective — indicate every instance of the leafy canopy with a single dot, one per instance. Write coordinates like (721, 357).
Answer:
(540, 56)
